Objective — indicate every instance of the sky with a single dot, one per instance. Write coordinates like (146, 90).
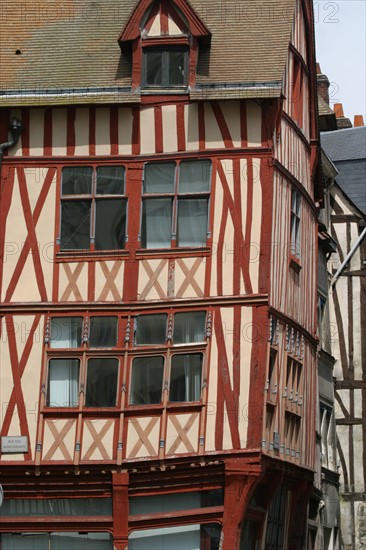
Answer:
(340, 30)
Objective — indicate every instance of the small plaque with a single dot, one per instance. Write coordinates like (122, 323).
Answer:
(14, 444)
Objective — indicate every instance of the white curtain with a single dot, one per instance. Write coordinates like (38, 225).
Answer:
(185, 379)
(157, 223)
(63, 382)
(192, 222)
(189, 327)
(66, 332)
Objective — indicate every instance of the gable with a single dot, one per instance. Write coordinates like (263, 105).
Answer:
(163, 19)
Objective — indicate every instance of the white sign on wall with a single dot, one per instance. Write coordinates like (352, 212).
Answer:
(14, 444)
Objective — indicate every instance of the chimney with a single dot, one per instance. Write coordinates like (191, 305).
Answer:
(323, 84)
(342, 121)
(358, 121)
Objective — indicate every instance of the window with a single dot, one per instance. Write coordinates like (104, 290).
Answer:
(147, 377)
(294, 381)
(55, 541)
(63, 382)
(271, 383)
(183, 370)
(175, 204)
(85, 358)
(101, 382)
(197, 536)
(295, 223)
(150, 329)
(275, 536)
(292, 431)
(93, 208)
(146, 380)
(328, 436)
(188, 536)
(66, 374)
(165, 68)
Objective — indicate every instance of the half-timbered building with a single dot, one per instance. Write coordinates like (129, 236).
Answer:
(347, 148)
(158, 277)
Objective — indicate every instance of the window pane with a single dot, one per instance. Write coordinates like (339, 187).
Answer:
(110, 180)
(150, 329)
(101, 383)
(179, 537)
(153, 65)
(63, 383)
(177, 68)
(66, 332)
(156, 223)
(177, 501)
(185, 378)
(192, 222)
(110, 224)
(159, 177)
(189, 327)
(24, 541)
(75, 225)
(194, 176)
(57, 507)
(81, 541)
(77, 180)
(146, 380)
(103, 332)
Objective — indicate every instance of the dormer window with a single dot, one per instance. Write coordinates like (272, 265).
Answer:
(165, 67)
(164, 37)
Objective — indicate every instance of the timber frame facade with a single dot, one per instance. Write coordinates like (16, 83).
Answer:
(178, 205)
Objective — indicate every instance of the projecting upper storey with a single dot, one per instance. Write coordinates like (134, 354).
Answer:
(93, 51)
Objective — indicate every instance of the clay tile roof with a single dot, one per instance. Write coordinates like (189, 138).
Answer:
(51, 46)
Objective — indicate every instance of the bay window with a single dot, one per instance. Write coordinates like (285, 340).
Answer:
(85, 359)
(93, 208)
(175, 204)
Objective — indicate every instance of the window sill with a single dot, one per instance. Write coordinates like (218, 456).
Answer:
(295, 264)
(147, 410)
(180, 90)
(175, 252)
(90, 256)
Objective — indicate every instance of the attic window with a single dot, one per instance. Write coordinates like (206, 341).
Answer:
(165, 67)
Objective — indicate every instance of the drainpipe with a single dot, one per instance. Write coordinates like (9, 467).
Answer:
(348, 257)
(16, 129)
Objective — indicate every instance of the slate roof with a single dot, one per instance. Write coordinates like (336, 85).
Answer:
(49, 47)
(347, 149)
(346, 144)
